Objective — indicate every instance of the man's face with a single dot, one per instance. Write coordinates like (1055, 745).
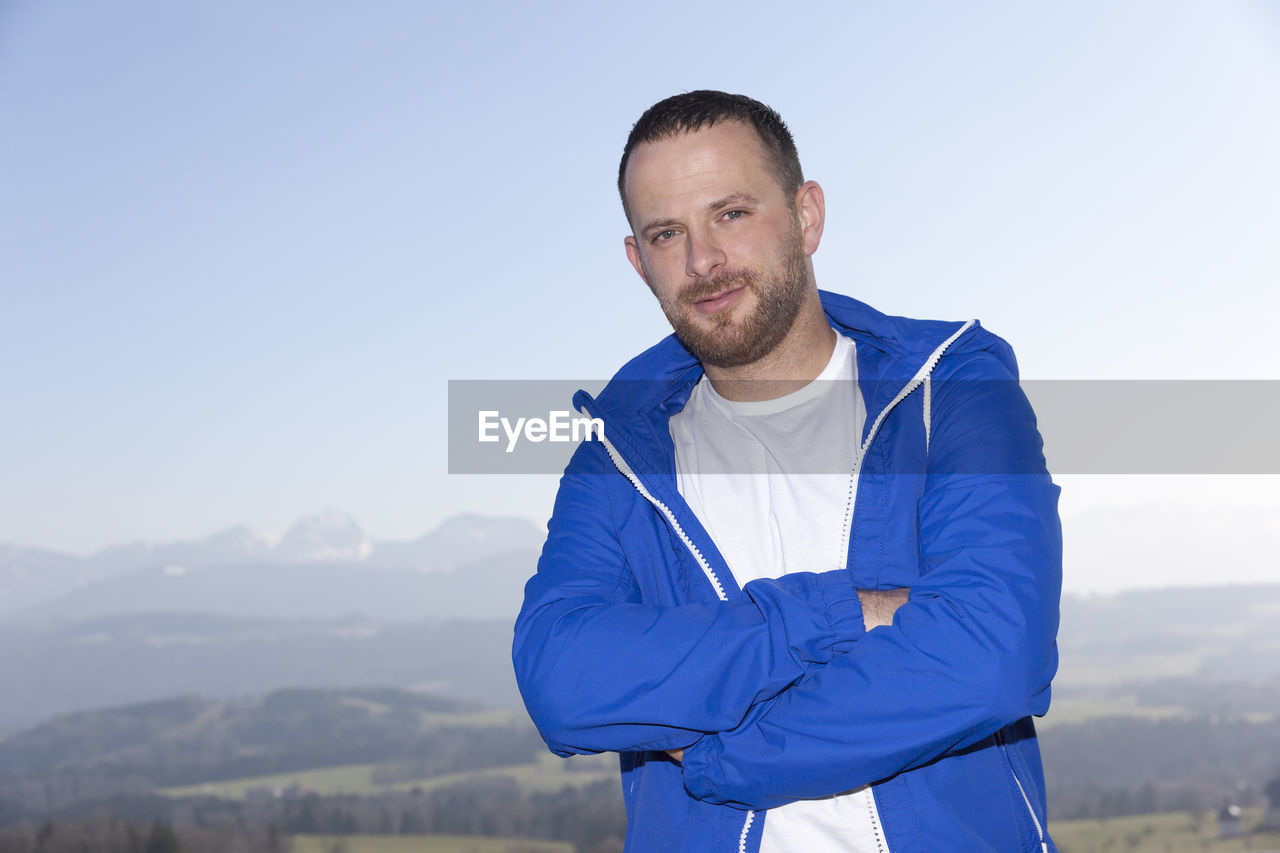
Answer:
(718, 241)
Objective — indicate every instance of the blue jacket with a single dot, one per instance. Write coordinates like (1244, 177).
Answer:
(635, 638)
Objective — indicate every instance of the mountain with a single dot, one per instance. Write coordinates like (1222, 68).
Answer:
(329, 535)
(324, 564)
(32, 575)
(231, 545)
(489, 589)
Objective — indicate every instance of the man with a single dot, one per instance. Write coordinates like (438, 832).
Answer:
(722, 595)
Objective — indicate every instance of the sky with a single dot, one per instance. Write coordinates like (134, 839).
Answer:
(244, 246)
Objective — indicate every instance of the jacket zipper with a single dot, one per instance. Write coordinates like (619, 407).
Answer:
(746, 829)
(1044, 845)
(626, 470)
(921, 377)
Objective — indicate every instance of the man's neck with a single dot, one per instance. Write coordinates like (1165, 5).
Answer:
(794, 363)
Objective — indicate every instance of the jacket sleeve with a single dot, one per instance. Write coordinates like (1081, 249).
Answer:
(599, 670)
(972, 650)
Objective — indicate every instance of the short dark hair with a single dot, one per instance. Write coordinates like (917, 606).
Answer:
(692, 111)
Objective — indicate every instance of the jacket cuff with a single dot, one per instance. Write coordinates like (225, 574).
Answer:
(841, 607)
(696, 765)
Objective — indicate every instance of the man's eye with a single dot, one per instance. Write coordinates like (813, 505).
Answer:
(663, 235)
(735, 214)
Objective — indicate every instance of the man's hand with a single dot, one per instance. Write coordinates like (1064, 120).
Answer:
(879, 605)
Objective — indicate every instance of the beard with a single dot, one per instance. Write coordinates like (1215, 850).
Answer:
(720, 341)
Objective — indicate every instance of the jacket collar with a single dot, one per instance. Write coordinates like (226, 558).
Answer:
(661, 378)
(639, 401)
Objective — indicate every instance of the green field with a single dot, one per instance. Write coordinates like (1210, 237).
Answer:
(1154, 833)
(423, 844)
(548, 773)
(1175, 832)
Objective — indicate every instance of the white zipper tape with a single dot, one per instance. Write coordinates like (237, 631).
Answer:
(626, 471)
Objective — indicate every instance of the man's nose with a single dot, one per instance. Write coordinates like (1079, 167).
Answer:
(705, 256)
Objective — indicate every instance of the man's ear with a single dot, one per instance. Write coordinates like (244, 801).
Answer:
(633, 255)
(811, 208)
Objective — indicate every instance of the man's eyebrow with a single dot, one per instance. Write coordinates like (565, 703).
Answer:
(718, 204)
(731, 200)
(653, 224)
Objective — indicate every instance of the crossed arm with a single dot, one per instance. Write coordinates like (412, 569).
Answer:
(601, 670)
(878, 607)
(970, 651)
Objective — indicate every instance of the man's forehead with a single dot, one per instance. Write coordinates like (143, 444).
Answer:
(688, 162)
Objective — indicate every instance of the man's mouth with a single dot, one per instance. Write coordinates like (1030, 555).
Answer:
(720, 300)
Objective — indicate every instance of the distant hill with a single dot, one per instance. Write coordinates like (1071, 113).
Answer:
(189, 739)
(1097, 768)
(1202, 635)
(340, 624)
(1114, 766)
(237, 612)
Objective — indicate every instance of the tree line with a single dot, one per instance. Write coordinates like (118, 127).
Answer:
(1120, 765)
(589, 817)
(103, 833)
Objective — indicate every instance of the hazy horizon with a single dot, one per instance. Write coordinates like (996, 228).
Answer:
(1130, 544)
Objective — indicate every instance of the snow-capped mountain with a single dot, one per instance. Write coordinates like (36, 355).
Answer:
(328, 535)
(233, 545)
(237, 566)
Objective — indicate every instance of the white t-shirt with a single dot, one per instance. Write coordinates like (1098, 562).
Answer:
(772, 483)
